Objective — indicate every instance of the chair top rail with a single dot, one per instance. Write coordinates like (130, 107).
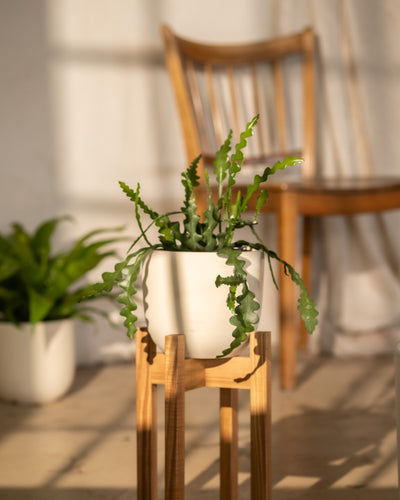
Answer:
(267, 50)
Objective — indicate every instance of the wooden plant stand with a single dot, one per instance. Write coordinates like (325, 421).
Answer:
(178, 375)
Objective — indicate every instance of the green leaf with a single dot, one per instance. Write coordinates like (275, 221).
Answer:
(212, 218)
(9, 262)
(191, 239)
(134, 196)
(169, 233)
(210, 223)
(39, 306)
(261, 199)
(21, 242)
(190, 179)
(9, 265)
(35, 283)
(236, 161)
(247, 305)
(42, 236)
(244, 316)
(191, 236)
(244, 319)
(130, 275)
(67, 269)
(109, 280)
(139, 203)
(258, 179)
(238, 156)
(232, 281)
(306, 306)
(233, 259)
(222, 163)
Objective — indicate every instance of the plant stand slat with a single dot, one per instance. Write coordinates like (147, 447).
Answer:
(146, 421)
(178, 375)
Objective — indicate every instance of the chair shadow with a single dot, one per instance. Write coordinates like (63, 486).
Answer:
(357, 436)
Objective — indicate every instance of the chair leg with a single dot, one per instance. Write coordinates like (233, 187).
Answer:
(287, 234)
(306, 272)
(260, 410)
(146, 419)
(229, 444)
(175, 417)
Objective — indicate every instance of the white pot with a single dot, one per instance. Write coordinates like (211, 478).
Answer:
(36, 366)
(180, 296)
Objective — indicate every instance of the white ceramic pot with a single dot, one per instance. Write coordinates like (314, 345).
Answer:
(180, 296)
(36, 366)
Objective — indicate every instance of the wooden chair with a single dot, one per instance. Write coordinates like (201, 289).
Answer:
(219, 87)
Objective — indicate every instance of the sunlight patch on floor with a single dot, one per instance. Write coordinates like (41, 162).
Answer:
(291, 482)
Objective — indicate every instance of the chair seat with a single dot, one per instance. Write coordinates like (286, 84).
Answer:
(352, 185)
(334, 196)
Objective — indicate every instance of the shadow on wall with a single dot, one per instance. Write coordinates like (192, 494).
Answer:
(77, 102)
(28, 190)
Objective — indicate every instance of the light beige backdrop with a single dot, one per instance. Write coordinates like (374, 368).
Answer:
(86, 102)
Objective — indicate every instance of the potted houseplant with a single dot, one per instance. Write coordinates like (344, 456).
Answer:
(225, 262)
(40, 292)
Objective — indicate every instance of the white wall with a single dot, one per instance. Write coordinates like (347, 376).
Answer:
(85, 102)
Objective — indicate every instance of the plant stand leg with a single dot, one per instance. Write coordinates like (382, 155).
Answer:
(174, 417)
(178, 375)
(146, 419)
(260, 418)
(228, 444)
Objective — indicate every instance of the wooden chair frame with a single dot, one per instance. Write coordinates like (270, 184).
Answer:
(305, 199)
(178, 375)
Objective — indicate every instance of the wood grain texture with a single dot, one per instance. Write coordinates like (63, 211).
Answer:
(146, 418)
(174, 417)
(229, 450)
(287, 220)
(260, 410)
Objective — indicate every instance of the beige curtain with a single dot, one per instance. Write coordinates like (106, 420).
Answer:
(358, 118)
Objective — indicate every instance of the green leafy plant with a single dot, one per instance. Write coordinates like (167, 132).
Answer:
(39, 284)
(213, 232)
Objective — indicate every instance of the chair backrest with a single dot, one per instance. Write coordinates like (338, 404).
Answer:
(221, 87)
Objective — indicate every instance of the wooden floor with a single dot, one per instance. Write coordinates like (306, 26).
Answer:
(334, 437)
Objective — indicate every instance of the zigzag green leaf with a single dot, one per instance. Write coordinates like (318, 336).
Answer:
(268, 171)
(127, 284)
(233, 259)
(135, 197)
(236, 161)
(222, 163)
(190, 179)
(244, 318)
(306, 306)
(191, 238)
(210, 223)
(238, 156)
